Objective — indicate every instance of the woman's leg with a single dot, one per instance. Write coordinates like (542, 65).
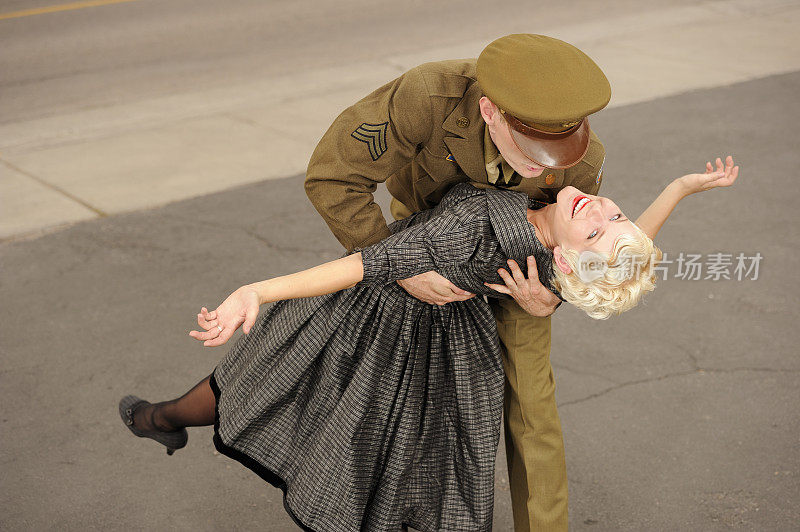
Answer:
(195, 408)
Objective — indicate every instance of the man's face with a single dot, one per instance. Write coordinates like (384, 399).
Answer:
(501, 136)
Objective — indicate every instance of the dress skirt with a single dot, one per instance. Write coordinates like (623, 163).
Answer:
(370, 409)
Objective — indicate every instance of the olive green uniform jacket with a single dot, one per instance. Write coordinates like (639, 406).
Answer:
(421, 134)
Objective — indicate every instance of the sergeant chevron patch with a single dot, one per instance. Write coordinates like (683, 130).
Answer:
(374, 136)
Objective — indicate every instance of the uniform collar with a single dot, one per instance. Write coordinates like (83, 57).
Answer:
(498, 171)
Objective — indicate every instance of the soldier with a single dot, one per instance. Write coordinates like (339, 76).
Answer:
(515, 118)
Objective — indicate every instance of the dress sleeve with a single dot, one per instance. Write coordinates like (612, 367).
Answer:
(367, 143)
(438, 244)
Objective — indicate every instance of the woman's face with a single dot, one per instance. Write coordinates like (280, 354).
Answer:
(587, 223)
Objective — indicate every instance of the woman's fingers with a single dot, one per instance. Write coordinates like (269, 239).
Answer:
(206, 335)
(223, 337)
(225, 334)
(730, 177)
(215, 336)
(726, 179)
(204, 323)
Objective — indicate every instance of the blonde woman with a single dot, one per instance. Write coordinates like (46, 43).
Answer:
(372, 410)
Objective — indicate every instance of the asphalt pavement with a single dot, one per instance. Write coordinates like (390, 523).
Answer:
(679, 415)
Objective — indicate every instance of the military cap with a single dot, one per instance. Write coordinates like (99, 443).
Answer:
(545, 89)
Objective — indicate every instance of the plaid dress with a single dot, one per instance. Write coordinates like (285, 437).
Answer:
(370, 409)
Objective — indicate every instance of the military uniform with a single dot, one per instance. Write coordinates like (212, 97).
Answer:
(421, 134)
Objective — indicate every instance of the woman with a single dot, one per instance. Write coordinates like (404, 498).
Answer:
(372, 410)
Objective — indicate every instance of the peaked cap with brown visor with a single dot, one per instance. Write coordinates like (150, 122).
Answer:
(545, 88)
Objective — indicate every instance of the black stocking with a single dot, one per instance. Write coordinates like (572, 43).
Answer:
(195, 408)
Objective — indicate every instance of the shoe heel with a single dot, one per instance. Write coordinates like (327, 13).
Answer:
(170, 451)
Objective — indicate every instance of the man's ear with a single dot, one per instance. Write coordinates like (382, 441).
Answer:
(489, 111)
(560, 261)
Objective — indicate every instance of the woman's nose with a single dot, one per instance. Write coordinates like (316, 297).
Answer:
(595, 213)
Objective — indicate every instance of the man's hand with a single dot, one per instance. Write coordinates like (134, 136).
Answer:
(531, 295)
(434, 289)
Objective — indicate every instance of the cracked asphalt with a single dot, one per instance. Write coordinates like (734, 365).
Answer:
(680, 415)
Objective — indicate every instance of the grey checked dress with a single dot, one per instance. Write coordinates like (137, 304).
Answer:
(370, 409)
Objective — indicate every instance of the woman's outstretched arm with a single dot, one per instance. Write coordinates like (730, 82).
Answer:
(241, 307)
(657, 213)
(326, 278)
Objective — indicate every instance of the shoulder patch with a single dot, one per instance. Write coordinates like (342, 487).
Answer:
(600, 172)
(374, 136)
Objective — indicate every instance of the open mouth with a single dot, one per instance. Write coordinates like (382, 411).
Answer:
(579, 203)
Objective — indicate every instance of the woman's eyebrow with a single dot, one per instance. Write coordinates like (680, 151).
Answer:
(600, 236)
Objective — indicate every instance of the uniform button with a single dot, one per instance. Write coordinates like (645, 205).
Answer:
(462, 122)
(550, 179)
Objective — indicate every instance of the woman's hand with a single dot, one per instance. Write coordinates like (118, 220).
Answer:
(220, 324)
(723, 176)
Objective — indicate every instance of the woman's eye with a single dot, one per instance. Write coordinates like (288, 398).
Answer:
(593, 234)
(616, 217)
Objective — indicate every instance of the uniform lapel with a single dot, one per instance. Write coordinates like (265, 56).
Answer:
(466, 143)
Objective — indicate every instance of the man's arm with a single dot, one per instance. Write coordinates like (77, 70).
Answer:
(366, 144)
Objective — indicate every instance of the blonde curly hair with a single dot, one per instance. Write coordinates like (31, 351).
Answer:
(627, 274)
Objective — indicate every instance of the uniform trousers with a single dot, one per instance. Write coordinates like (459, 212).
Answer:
(537, 469)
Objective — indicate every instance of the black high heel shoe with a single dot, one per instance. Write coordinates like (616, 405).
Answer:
(173, 440)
